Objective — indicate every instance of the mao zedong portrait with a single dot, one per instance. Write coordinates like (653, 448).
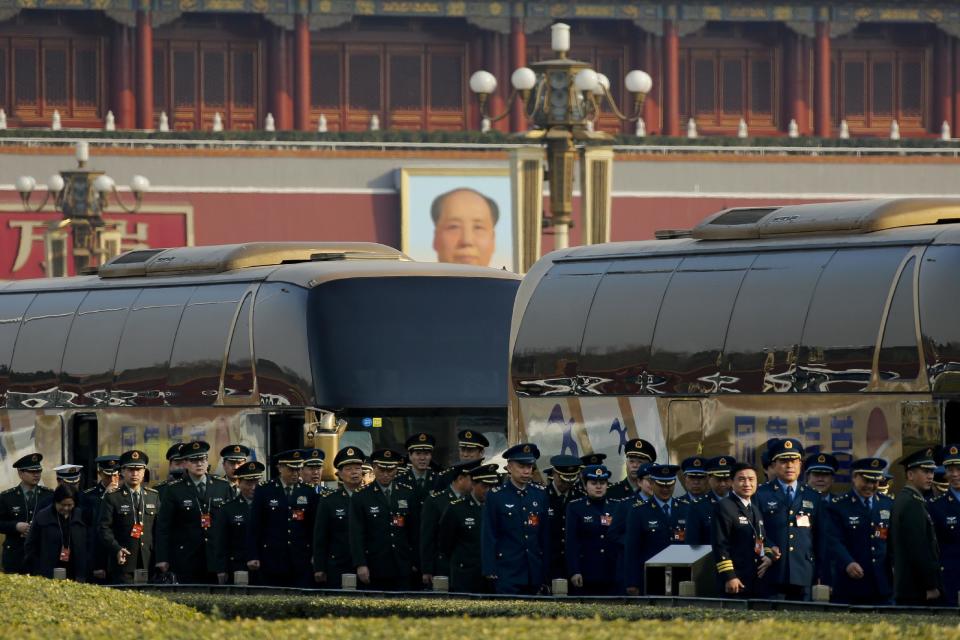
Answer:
(464, 221)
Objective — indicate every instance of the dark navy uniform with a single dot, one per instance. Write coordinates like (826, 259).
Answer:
(568, 469)
(515, 534)
(592, 547)
(230, 537)
(945, 512)
(856, 533)
(280, 531)
(650, 530)
(699, 521)
(384, 534)
(738, 544)
(623, 490)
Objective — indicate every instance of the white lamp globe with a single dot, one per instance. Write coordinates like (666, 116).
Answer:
(103, 184)
(55, 183)
(483, 82)
(25, 184)
(586, 80)
(603, 85)
(523, 79)
(139, 184)
(638, 82)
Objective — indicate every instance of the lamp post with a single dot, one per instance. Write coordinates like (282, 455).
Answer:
(562, 99)
(82, 195)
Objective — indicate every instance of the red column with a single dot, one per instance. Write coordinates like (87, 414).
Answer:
(121, 100)
(797, 103)
(943, 107)
(956, 89)
(518, 58)
(301, 108)
(494, 64)
(671, 79)
(821, 92)
(144, 71)
(279, 89)
(651, 64)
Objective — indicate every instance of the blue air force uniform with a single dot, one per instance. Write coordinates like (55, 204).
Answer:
(700, 515)
(515, 532)
(945, 512)
(652, 526)
(592, 544)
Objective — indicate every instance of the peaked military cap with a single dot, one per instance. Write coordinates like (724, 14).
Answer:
(250, 470)
(664, 473)
(644, 470)
(821, 463)
(940, 478)
(720, 466)
(923, 458)
(291, 458)
(235, 452)
(108, 464)
(786, 449)
(566, 466)
(29, 462)
(462, 469)
(870, 468)
(134, 458)
(524, 452)
(421, 442)
(640, 448)
(485, 473)
(313, 457)
(386, 458)
(194, 450)
(593, 458)
(68, 472)
(173, 453)
(694, 466)
(595, 472)
(951, 454)
(348, 455)
(471, 438)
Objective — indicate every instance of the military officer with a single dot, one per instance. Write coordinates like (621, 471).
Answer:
(471, 445)
(515, 536)
(637, 452)
(232, 457)
(312, 472)
(459, 538)
(940, 484)
(652, 526)
(69, 474)
(280, 528)
(108, 481)
(176, 467)
(819, 470)
(592, 548)
(419, 474)
(184, 542)
(857, 524)
(127, 520)
(700, 515)
(433, 560)
(230, 523)
(331, 532)
(17, 508)
(694, 470)
(739, 538)
(791, 510)
(384, 527)
(945, 512)
(883, 488)
(561, 489)
(916, 561)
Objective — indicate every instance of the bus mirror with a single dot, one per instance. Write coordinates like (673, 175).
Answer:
(327, 421)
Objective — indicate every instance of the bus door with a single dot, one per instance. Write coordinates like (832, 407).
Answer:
(951, 421)
(82, 442)
(684, 428)
(284, 432)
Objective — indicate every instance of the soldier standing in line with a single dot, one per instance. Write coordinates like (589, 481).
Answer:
(791, 511)
(472, 445)
(127, 520)
(561, 489)
(384, 528)
(700, 516)
(638, 452)
(819, 470)
(312, 472)
(652, 526)
(940, 484)
(331, 531)
(945, 512)
(176, 468)
(515, 537)
(459, 538)
(230, 523)
(857, 527)
(916, 561)
(738, 537)
(419, 475)
(184, 541)
(694, 470)
(18, 505)
(108, 481)
(280, 528)
(232, 457)
(592, 548)
(433, 560)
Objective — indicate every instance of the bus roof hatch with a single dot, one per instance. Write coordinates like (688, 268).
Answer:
(229, 257)
(850, 217)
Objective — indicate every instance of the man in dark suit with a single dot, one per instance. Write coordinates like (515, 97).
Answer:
(230, 524)
(916, 558)
(280, 528)
(18, 505)
(459, 528)
(384, 528)
(738, 537)
(127, 520)
(108, 481)
(331, 531)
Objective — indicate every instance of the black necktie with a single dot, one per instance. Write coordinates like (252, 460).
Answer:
(202, 490)
(789, 495)
(288, 490)
(137, 505)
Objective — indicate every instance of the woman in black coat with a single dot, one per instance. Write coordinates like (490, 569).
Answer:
(59, 537)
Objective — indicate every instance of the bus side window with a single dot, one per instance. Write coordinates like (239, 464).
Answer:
(238, 377)
(280, 345)
(939, 311)
(12, 308)
(899, 358)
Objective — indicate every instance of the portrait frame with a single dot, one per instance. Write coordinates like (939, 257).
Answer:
(420, 185)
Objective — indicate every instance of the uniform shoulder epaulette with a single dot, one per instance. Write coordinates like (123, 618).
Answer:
(437, 492)
(148, 490)
(942, 496)
(219, 479)
(43, 489)
(577, 499)
(10, 490)
(537, 485)
(404, 485)
(456, 501)
(917, 496)
(495, 489)
(364, 488)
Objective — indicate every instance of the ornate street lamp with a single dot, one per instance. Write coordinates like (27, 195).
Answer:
(82, 195)
(562, 99)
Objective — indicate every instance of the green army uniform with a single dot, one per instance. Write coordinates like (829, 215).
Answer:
(229, 537)
(331, 537)
(127, 521)
(433, 561)
(459, 541)
(16, 507)
(916, 562)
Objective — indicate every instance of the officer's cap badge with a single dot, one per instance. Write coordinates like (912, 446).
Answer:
(697, 462)
(196, 445)
(296, 455)
(135, 455)
(236, 448)
(349, 452)
(788, 445)
(423, 437)
(387, 454)
(468, 434)
(821, 458)
(875, 463)
(526, 449)
(723, 462)
(34, 458)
